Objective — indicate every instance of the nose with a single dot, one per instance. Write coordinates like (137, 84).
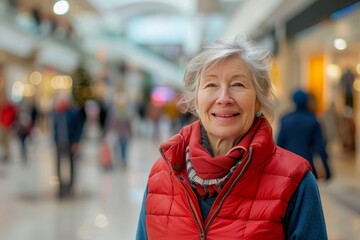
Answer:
(224, 97)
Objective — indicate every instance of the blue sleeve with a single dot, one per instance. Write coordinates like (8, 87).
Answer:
(319, 142)
(141, 233)
(304, 217)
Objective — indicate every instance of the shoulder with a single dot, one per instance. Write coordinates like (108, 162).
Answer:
(290, 164)
(159, 166)
(286, 156)
(160, 178)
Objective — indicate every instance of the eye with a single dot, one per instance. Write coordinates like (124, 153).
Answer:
(238, 84)
(209, 85)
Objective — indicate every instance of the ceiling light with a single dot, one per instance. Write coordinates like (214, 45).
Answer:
(356, 84)
(35, 77)
(340, 44)
(333, 71)
(61, 7)
(358, 68)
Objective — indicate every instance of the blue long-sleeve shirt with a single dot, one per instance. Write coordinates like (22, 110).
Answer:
(304, 218)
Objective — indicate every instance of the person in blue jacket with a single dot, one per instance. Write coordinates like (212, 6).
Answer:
(68, 122)
(300, 132)
(223, 176)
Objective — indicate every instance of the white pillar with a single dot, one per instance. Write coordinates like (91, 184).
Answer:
(194, 35)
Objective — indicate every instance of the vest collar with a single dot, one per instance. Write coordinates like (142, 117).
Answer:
(174, 149)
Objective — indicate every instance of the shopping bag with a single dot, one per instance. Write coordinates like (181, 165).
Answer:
(105, 155)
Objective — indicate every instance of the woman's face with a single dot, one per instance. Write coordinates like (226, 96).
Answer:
(226, 100)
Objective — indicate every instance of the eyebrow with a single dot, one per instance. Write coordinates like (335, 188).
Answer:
(239, 76)
(243, 76)
(232, 78)
(212, 75)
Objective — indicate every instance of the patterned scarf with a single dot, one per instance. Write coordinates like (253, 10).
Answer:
(208, 174)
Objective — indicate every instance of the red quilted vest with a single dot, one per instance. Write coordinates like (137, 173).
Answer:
(250, 206)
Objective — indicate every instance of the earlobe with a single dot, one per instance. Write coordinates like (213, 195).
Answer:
(258, 112)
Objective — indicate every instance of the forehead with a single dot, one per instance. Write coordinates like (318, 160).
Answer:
(231, 63)
(227, 68)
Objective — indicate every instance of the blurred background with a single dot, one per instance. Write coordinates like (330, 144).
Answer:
(122, 62)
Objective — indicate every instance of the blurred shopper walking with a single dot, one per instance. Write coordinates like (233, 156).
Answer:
(24, 124)
(348, 130)
(68, 122)
(346, 82)
(7, 118)
(330, 122)
(103, 111)
(119, 123)
(300, 132)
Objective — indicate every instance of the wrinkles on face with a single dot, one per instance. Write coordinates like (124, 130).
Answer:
(226, 102)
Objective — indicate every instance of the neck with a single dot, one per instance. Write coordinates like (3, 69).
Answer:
(221, 146)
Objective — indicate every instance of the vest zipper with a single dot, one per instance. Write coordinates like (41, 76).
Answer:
(229, 190)
(202, 234)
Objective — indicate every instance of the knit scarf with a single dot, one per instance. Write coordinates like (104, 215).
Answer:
(208, 174)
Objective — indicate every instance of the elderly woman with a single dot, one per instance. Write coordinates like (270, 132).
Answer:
(223, 177)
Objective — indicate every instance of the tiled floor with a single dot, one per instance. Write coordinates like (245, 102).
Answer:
(107, 203)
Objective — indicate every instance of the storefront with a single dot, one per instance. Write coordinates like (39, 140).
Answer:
(324, 52)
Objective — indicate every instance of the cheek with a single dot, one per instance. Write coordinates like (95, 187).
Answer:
(248, 101)
(201, 101)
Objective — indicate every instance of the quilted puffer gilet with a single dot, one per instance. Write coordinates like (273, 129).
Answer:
(251, 205)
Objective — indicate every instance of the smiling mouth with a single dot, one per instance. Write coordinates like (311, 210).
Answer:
(225, 115)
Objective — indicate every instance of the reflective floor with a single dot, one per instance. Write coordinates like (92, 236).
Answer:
(107, 202)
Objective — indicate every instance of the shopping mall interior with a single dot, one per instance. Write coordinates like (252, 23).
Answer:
(133, 53)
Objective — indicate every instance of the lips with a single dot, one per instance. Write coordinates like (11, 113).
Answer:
(225, 115)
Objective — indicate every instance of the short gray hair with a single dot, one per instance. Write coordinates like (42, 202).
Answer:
(255, 57)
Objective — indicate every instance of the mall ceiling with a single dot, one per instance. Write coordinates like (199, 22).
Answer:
(148, 22)
(147, 32)
(150, 33)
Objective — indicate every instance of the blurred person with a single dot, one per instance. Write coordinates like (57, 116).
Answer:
(119, 123)
(8, 112)
(141, 109)
(312, 103)
(68, 122)
(187, 118)
(300, 132)
(24, 124)
(141, 125)
(154, 114)
(172, 114)
(223, 177)
(312, 106)
(347, 81)
(103, 112)
(331, 125)
(348, 130)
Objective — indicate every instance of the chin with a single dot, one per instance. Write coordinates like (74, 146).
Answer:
(225, 133)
